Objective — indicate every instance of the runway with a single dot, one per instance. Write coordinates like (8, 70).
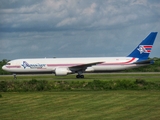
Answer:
(149, 76)
(111, 73)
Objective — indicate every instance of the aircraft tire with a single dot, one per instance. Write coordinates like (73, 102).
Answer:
(79, 76)
(82, 76)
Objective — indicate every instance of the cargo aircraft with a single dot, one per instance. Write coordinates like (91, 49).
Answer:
(65, 66)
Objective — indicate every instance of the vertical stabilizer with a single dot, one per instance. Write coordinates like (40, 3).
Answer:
(143, 50)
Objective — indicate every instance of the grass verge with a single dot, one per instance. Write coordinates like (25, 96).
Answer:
(80, 105)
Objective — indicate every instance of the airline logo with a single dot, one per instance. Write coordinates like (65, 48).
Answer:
(144, 48)
(25, 65)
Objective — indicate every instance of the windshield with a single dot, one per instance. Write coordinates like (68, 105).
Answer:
(8, 64)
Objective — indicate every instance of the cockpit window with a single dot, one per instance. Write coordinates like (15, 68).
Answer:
(8, 64)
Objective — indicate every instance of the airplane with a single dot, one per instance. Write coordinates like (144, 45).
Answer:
(65, 66)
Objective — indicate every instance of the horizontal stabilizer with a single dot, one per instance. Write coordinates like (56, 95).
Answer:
(149, 61)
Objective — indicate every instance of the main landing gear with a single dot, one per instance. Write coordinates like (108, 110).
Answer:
(80, 74)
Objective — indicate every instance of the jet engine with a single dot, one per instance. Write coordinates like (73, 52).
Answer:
(62, 71)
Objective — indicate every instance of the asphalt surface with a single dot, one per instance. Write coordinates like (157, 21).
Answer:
(114, 73)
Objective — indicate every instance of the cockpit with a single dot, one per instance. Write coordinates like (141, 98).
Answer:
(8, 63)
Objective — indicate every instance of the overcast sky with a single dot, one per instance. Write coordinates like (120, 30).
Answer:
(76, 28)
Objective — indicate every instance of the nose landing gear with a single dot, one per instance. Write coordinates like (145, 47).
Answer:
(14, 75)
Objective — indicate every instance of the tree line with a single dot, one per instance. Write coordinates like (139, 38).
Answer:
(150, 68)
(3, 62)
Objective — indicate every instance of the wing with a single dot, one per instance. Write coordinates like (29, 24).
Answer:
(83, 66)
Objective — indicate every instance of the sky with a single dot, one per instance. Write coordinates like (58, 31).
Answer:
(76, 28)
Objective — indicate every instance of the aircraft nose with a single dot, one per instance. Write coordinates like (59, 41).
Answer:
(4, 67)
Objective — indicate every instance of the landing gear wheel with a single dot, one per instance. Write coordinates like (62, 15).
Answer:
(82, 76)
(79, 76)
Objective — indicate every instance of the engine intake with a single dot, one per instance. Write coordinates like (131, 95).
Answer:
(62, 71)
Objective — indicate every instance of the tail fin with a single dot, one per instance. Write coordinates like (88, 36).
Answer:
(144, 48)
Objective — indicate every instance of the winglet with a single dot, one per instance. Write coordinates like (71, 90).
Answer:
(143, 50)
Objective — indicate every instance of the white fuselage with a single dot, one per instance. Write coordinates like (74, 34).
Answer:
(49, 65)
(63, 66)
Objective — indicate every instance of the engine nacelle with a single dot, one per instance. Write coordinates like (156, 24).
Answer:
(62, 71)
(89, 69)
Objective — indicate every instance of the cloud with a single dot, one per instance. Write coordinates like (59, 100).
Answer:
(51, 14)
(75, 28)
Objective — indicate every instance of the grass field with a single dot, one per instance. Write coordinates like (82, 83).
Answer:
(82, 105)
(124, 105)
